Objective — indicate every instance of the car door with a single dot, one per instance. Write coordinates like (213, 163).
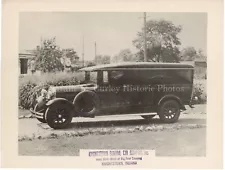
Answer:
(145, 87)
(130, 95)
(108, 93)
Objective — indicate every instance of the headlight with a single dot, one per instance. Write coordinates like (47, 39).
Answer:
(195, 98)
(51, 93)
(42, 96)
(43, 93)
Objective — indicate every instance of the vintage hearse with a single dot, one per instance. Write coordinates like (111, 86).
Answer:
(142, 88)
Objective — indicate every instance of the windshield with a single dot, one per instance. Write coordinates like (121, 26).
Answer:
(93, 77)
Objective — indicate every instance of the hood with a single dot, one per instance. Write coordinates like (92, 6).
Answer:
(75, 88)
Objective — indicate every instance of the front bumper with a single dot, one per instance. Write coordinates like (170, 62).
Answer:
(192, 102)
(37, 114)
(39, 109)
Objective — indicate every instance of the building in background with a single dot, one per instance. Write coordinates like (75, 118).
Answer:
(200, 66)
(25, 62)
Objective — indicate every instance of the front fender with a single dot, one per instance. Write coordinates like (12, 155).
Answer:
(173, 97)
(56, 100)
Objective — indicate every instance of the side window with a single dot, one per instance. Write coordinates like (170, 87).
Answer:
(105, 77)
(116, 77)
(102, 77)
(153, 77)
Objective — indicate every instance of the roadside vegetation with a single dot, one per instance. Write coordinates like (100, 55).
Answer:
(183, 142)
(30, 86)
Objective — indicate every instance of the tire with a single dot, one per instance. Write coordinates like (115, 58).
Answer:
(148, 117)
(169, 111)
(37, 108)
(41, 120)
(86, 104)
(59, 115)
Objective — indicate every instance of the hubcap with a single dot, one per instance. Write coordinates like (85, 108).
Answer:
(60, 116)
(170, 111)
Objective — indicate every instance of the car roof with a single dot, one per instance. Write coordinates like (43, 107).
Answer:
(138, 65)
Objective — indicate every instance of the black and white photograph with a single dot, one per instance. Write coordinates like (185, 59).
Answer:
(120, 84)
(112, 84)
(112, 80)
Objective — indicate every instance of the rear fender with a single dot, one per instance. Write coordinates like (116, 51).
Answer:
(172, 97)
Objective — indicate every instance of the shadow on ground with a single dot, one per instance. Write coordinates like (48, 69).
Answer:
(119, 123)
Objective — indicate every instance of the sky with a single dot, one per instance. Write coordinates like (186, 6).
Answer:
(112, 32)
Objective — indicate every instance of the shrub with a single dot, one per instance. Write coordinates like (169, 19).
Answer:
(200, 91)
(30, 86)
(28, 94)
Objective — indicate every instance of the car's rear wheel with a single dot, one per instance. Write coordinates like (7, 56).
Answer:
(169, 111)
(58, 115)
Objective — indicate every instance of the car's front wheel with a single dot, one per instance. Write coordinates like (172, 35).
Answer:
(169, 111)
(41, 120)
(58, 115)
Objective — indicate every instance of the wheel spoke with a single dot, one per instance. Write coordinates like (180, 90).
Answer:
(170, 110)
(59, 115)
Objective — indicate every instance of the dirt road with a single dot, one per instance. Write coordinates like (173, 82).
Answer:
(32, 129)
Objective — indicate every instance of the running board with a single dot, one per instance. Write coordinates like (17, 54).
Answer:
(122, 115)
(143, 114)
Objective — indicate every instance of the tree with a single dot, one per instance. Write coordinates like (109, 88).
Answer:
(90, 63)
(124, 55)
(102, 59)
(188, 54)
(71, 54)
(70, 59)
(48, 57)
(200, 55)
(162, 41)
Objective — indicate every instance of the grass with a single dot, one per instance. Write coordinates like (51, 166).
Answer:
(50, 78)
(200, 90)
(185, 142)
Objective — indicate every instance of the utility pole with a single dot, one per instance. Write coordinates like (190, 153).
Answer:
(95, 52)
(83, 52)
(41, 42)
(145, 43)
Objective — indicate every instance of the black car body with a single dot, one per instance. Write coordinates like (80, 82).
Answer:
(126, 88)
